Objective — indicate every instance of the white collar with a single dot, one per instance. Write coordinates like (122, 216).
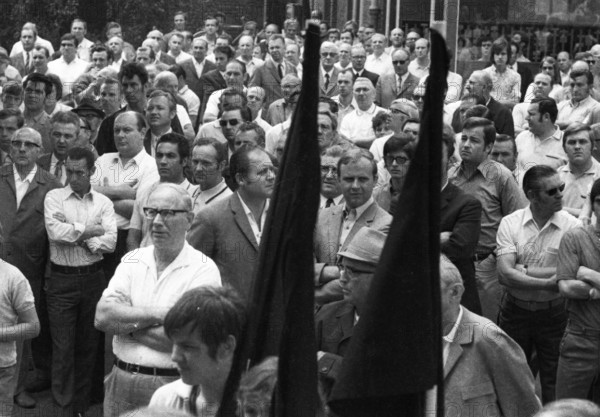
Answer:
(452, 335)
(29, 176)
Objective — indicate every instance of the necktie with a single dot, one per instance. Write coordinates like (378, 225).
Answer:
(280, 70)
(348, 223)
(27, 61)
(58, 170)
(399, 84)
(326, 81)
(329, 202)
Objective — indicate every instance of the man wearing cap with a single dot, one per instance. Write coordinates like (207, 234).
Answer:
(88, 111)
(334, 322)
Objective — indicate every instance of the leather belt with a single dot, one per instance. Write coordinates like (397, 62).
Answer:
(76, 270)
(535, 305)
(145, 370)
(478, 257)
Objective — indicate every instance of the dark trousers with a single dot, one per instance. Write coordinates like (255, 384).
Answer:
(542, 330)
(72, 301)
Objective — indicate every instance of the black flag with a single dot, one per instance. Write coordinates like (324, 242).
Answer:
(395, 355)
(281, 319)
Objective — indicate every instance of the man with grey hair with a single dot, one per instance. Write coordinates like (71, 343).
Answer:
(470, 353)
(23, 186)
(399, 84)
(245, 48)
(480, 84)
(142, 290)
(157, 37)
(401, 110)
(281, 110)
(397, 39)
(379, 62)
(328, 73)
(357, 125)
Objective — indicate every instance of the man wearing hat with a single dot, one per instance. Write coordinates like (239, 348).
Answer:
(92, 115)
(335, 321)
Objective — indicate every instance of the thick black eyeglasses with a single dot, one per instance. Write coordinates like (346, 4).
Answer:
(151, 212)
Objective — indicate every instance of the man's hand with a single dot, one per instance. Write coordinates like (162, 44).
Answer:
(60, 217)
(584, 274)
(445, 237)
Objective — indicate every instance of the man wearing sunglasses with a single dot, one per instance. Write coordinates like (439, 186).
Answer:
(533, 312)
(400, 84)
(23, 186)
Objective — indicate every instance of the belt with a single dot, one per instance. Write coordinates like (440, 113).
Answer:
(535, 305)
(145, 370)
(76, 270)
(481, 256)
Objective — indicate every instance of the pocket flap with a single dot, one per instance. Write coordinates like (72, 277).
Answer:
(474, 391)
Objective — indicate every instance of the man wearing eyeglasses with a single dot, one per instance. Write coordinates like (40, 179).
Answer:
(140, 294)
(23, 186)
(331, 190)
(334, 322)
(533, 312)
(328, 73)
(172, 152)
(81, 227)
(358, 57)
(401, 84)
(230, 231)
(401, 111)
(396, 156)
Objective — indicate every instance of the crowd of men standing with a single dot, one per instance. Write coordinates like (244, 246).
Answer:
(136, 182)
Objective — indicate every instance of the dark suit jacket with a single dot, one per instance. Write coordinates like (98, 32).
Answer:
(461, 215)
(327, 237)
(19, 63)
(526, 78)
(26, 241)
(210, 82)
(222, 232)
(386, 89)
(502, 118)
(332, 88)
(165, 58)
(368, 74)
(486, 372)
(105, 142)
(267, 77)
(334, 324)
(44, 161)
(191, 77)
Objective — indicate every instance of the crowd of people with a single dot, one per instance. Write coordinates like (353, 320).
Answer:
(135, 183)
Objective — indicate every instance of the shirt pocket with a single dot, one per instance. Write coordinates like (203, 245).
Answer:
(477, 391)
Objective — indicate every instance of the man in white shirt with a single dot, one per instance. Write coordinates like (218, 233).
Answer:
(167, 81)
(115, 44)
(542, 143)
(175, 45)
(419, 66)
(357, 125)
(543, 86)
(209, 158)
(172, 152)
(245, 48)
(68, 67)
(229, 231)
(344, 54)
(379, 62)
(81, 227)
(234, 79)
(138, 297)
(122, 174)
(84, 45)
(18, 47)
